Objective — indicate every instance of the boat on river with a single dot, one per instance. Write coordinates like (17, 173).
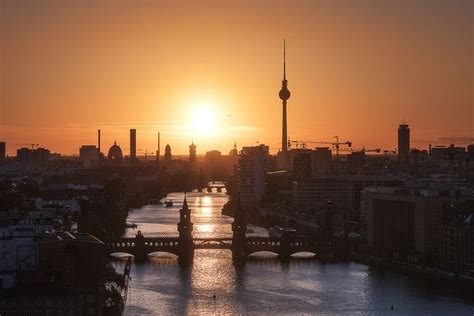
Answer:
(168, 203)
(154, 201)
(278, 231)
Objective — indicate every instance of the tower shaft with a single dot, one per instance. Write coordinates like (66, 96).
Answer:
(284, 136)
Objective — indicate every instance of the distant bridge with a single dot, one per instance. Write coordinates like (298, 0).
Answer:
(215, 185)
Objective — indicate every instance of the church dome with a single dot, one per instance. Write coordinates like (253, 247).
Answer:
(115, 153)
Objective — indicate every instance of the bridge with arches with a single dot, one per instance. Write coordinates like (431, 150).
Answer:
(184, 244)
(215, 186)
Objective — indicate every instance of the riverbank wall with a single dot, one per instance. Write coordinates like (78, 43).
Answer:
(426, 273)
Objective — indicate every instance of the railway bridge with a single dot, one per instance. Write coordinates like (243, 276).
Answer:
(184, 244)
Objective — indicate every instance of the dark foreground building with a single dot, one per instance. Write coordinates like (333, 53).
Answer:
(67, 281)
(404, 224)
(456, 250)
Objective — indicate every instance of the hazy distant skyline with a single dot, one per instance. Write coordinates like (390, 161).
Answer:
(355, 69)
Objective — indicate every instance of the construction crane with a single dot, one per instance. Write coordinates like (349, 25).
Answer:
(298, 144)
(32, 145)
(337, 144)
(359, 150)
(446, 141)
(458, 140)
(146, 153)
(376, 150)
(386, 152)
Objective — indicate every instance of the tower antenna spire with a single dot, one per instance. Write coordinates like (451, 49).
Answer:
(284, 59)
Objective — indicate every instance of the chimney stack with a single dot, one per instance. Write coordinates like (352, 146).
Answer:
(158, 151)
(98, 143)
(133, 146)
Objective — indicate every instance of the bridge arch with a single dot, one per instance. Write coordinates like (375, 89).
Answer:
(121, 254)
(303, 254)
(162, 254)
(263, 253)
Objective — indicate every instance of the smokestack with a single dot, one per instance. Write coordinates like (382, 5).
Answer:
(133, 145)
(98, 143)
(158, 151)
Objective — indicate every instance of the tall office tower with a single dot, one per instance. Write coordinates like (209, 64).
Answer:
(403, 142)
(3, 150)
(284, 96)
(88, 154)
(192, 154)
(321, 160)
(252, 170)
(23, 155)
(133, 146)
(302, 166)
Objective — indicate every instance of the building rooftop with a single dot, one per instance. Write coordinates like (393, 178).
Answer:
(469, 219)
(70, 236)
(38, 290)
(71, 186)
(444, 191)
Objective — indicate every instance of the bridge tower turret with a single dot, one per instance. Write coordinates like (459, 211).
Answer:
(239, 228)
(185, 229)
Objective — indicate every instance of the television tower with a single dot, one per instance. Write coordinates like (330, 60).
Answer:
(284, 96)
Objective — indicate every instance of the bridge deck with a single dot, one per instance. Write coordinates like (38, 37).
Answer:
(284, 247)
(202, 240)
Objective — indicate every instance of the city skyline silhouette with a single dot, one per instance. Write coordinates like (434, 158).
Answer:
(356, 71)
(275, 157)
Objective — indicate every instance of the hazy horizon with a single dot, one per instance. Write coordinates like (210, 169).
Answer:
(210, 72)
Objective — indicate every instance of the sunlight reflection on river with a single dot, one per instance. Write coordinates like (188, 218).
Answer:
(264, 285)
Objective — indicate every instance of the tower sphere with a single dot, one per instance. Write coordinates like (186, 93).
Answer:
(284, 94)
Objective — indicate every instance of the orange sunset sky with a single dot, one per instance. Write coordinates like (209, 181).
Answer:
(210, 71)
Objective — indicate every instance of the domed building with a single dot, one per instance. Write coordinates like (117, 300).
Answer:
(115, 154)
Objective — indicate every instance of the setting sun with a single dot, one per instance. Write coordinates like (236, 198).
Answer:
(203, 119)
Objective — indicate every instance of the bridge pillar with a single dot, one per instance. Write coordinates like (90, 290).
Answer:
(140, 252)
(239, 240)
(284, 250)
(140, 256)
(185, 240)
(324, 249)
(341, 248)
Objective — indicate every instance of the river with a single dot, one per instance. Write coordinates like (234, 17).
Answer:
(265, 285)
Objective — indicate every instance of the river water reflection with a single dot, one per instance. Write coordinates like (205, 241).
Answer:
(265, 285)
